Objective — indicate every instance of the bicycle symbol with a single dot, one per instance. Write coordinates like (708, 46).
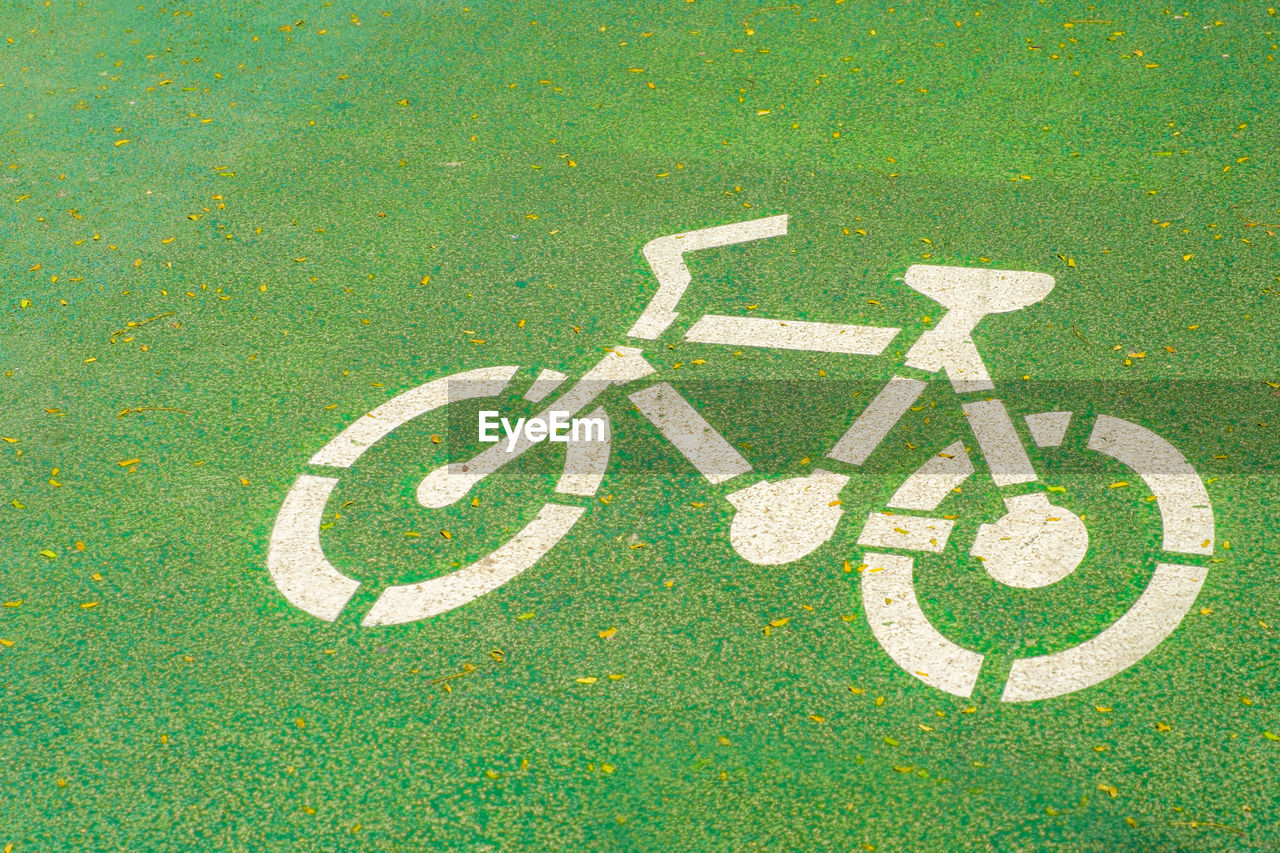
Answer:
(1034, 544)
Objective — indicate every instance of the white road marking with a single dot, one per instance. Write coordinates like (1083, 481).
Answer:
(777, 523)
(348, 445)
(1035, 544)
(1048, 428)
(1167, 598)
(900, 626)
(696, 439)
(929, 484)
(969, 294)
(791, 334)
(411, 602)
(958, 356)
(880, 416)
(295, 559)
(586, 461)
(906, 532)
(547, 381)
(1001, 446)
(449, 482)
(1185, 510)
(666, 258)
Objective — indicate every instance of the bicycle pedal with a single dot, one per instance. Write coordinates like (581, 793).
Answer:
(781, 522)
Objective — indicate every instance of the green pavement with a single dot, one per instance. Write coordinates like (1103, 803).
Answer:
(229, 230)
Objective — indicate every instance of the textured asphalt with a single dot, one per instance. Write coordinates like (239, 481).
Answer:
(229, 229)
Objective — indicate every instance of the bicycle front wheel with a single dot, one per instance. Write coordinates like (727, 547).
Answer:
(310, 581)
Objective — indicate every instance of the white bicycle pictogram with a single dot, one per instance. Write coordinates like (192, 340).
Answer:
(1034, 544)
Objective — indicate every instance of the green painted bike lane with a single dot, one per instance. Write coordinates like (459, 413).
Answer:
(261, 231)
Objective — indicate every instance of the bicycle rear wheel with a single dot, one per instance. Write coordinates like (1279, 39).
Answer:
(1036, 544)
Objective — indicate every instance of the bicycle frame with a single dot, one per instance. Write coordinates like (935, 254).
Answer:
(968, 294)
(1034, 544)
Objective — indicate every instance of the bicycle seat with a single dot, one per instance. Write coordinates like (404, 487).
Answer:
(969, 294)
(979, 291)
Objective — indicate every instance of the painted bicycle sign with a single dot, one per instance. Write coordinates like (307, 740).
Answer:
(1035, 542)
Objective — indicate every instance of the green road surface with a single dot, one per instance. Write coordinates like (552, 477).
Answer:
(228, 230)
